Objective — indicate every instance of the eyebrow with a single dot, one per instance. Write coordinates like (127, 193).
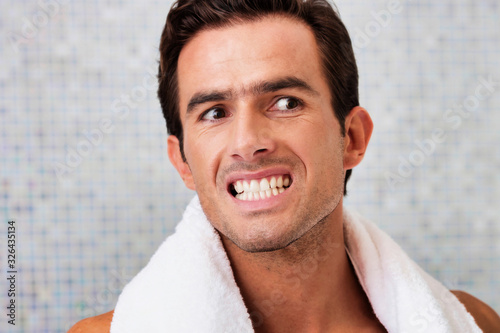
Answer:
(259, 88)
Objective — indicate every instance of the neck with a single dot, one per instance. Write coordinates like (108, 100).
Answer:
(308, 286)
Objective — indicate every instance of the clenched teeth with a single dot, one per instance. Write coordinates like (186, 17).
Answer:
(260, 189)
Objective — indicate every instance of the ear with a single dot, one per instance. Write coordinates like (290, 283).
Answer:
(358, 128)
(175, 156)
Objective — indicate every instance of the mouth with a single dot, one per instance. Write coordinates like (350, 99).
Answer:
(260, 189)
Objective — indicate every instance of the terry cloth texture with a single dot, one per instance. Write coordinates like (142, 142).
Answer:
(188, 285)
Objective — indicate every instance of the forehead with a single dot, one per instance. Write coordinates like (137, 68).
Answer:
(238, 56)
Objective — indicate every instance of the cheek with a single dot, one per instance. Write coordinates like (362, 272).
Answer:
(203, 153)
(322, 135)
(322, 149)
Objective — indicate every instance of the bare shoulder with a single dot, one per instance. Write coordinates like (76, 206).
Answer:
(97, 324)
(486, 318)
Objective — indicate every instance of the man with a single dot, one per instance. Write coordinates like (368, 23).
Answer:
(261, 102)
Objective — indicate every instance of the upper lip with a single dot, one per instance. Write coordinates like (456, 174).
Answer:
(243, 175)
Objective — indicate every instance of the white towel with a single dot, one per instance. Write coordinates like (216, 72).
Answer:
(188, 285)
(404, 297)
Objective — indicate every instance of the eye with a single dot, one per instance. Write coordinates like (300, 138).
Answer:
(214, 114)
(287, 103)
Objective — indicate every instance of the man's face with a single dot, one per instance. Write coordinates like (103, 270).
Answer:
(254, 107)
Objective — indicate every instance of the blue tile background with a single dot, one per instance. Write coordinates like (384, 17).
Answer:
(68, 68)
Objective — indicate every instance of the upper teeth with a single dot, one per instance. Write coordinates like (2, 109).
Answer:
(261, 189)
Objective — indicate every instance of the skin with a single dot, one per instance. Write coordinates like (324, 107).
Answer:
(287, 251)
(253, 137)
(486, 318)
(256, 138)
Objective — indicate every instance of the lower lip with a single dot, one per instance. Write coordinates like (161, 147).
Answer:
(262, 204)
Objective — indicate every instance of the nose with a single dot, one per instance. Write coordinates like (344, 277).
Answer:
(252, 136)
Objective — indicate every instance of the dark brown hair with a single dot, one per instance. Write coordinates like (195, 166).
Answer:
(188, 17)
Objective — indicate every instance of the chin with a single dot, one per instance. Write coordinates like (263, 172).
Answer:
(264, 243)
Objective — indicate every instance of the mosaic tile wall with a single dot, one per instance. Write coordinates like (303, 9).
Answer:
(85, 175)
